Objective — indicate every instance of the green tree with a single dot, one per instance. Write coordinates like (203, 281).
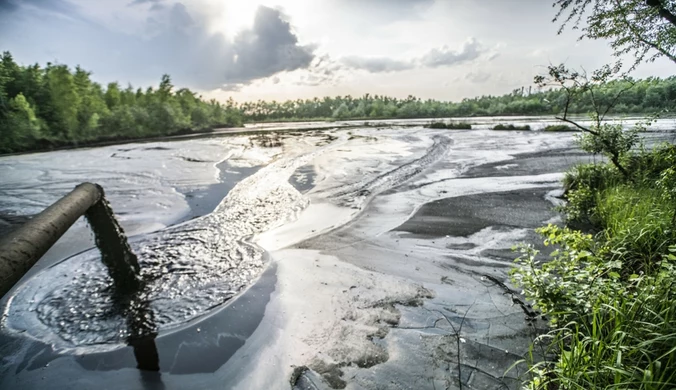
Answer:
(113, 96)
(642, 28)
(21, 127)
(65, 102)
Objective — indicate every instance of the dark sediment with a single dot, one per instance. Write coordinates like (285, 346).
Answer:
(558, 160)
(465, 215)
(202, 347)
(303, 179)
(116, 253)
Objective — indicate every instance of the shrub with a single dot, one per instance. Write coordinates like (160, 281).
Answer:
(459, 126)
(437, 125)
(610, 140)
(581, 183)
(510, 127)
(559, 128)
(452, 125)
(610, 296)
(649, 165)
(608, 330)
(596, 176)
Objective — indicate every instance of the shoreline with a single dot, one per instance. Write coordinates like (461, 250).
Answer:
(387, 296)
(284, 126)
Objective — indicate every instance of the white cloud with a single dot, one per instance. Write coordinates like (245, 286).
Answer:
(435, 58)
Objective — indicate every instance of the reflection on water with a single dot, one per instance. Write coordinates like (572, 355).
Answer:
(187, 270)
(142, 334)
(190, 270)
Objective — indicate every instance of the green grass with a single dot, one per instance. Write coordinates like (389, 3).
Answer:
(559, 128)
(510, 127)
(451, 125)
(637, 224)
(608, 330)
(610, 296)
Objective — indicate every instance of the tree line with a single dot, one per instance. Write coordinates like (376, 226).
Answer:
(44, 107)
(643, 97)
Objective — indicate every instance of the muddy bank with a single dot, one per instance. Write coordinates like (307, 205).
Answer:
(557, 160)
(390, 249)
(466, 215)
(413, 292)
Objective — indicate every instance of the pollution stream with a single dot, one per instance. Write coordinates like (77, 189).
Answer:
(352, 256)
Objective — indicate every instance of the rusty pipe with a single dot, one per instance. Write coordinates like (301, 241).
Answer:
(23, 247)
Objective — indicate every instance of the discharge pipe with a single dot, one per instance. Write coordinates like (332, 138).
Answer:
(23, 247)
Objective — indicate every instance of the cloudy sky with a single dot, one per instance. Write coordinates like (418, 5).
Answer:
(287, 49)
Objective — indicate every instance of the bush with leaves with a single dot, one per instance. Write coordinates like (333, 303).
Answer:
(610, 329)
(511, 127)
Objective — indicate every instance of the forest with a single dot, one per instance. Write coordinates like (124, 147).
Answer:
(54, 106)
(638, 97)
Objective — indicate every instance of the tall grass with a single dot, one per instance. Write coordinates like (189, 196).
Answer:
(637, 224)
(611, 296)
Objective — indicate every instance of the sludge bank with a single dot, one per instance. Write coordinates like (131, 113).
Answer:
(360, 298)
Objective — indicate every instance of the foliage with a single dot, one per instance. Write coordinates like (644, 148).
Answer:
(636, 224)
(610, 295)
(635, 97)
(642, 28)
(609, 330)
(54, 105)
(437, 125)
(510, 127)
(609, 139)
(559, 128)
(648, 169)
(450, 125)
(601, 137)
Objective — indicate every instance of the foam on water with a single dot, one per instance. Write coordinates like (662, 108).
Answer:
(188, 270)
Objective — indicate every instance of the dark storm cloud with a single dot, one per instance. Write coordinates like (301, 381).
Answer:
(209, 60)
(8, 6)
(435, 58)
(268, 48)
(176, 43)
(57, 6)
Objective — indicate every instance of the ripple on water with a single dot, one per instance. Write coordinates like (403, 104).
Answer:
(188, 270)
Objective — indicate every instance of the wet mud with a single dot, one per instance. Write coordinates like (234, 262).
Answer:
(466, 215)
(203, 201)
(374, 258)
(195, 353)
(303, 179)
(557, 160)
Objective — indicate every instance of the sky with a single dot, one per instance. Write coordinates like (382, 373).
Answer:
(290, 49)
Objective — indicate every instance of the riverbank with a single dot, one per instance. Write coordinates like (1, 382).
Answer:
(382, 277)
(477, 122)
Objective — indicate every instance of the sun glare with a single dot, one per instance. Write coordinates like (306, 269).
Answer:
(234, 15)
